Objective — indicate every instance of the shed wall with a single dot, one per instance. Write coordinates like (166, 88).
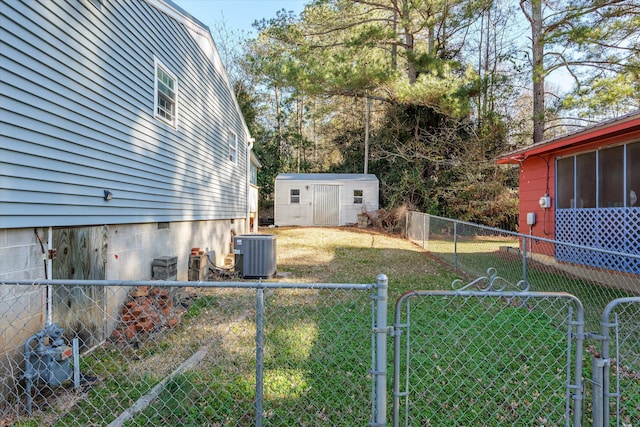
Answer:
(301, 214)
(287, 213)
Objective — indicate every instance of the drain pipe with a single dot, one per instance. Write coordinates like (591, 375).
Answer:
(247, 224)
(49, 277)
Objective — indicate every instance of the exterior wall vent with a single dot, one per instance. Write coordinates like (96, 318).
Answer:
(255, 255)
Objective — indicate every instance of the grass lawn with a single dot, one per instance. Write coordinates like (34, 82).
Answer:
(477, 363)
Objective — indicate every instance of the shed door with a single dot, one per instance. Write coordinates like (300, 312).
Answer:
(326, 205)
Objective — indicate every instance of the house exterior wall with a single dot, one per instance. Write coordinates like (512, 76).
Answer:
(536, 180)
(130, 254)
(21, 308)
(606, 227)
(537, 177)
(302, 214)
(77, 118)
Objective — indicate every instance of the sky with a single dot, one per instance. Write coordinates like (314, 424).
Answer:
(238, 14)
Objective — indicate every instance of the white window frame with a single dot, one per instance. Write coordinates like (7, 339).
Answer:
(294, 196)
(233, 147)
(169, 117)
(358, 199)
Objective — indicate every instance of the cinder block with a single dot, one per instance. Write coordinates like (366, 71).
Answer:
(165, 268)
(166, 261)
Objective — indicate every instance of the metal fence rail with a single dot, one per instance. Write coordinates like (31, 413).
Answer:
(199, 353)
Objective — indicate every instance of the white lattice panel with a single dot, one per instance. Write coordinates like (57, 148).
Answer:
(612, 229)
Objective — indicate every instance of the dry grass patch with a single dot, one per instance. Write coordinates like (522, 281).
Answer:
(351, 255)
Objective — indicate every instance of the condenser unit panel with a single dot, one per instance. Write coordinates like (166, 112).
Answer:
(255, 255)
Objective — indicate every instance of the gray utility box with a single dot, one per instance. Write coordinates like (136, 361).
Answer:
(255, 255)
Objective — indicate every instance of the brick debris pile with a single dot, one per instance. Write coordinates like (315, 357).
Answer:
(146, 310)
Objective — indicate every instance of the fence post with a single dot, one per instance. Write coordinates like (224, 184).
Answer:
(381, 331)
(598, 397)
(427, 223)
(424, 229)
(455, 246)
(524, 258)
(407, 235)
(259, 353)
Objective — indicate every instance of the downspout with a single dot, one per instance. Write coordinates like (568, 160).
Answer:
(47, 256)
(250, 142)
(49, 277)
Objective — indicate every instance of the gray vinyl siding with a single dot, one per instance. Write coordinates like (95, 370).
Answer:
(76, 118)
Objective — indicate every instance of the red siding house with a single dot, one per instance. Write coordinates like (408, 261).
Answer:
(584, 188)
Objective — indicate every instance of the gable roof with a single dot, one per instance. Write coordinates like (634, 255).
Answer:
(627, 125)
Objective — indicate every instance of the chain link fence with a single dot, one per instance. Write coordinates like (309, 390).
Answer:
(543, 263)
(609, 297)
(244, 353)
(202, 353)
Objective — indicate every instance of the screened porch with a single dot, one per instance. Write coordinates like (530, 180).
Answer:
(597, 206)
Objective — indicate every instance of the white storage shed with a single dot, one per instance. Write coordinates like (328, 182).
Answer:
(323, 199)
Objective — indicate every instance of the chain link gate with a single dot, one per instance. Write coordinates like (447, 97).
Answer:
(616, 369)
(484, 355)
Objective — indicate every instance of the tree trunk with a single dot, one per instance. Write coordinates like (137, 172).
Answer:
(538, 70)
(408, 40)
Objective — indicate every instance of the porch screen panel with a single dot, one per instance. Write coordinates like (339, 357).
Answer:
(633, 174)
(610, 221)
(565, 183)
(586, 180)
(611, 178)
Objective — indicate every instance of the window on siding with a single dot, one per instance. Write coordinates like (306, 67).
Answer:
(633, 175)
(166, 95)
(294, 195)
(357, 197)
(233, 147)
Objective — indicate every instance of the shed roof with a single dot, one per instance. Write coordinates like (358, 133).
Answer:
(626, 125)
(326, 177)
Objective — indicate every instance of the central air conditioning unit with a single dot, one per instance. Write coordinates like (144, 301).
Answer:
(255, 255)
